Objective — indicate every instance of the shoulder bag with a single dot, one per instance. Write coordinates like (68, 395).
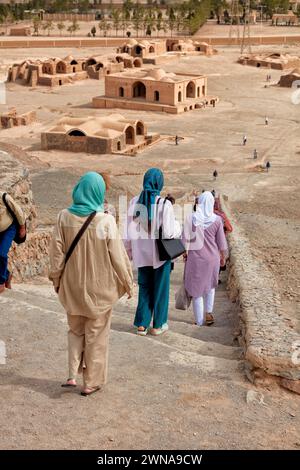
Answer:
(168, 248)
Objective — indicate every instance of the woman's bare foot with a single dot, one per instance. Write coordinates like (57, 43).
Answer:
(70, 383)
(8, 282)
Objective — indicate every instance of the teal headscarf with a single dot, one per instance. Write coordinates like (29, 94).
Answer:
(88, 195)
(152, 186)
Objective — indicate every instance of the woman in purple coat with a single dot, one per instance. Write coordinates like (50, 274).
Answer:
(204, 257)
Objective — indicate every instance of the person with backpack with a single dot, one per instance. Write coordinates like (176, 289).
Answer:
(12, 227)
(90, 271)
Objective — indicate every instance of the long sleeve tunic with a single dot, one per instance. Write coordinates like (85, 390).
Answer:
(98, 272)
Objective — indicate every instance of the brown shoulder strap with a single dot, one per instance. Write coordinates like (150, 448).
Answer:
(79, 235)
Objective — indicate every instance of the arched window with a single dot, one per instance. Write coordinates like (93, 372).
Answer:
(190, 90)
(140, 128)
(179, 96)
(77, 133)
(129, 135)
(138, 50)
(198, 91)
(151, 49)
(121, 91)
(156, 96)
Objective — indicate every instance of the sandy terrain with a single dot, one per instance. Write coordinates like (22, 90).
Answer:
(210, 29)
(266, 205)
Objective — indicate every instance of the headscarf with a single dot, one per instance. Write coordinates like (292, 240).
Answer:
(88, 195)
(152, 186)
(204, 214)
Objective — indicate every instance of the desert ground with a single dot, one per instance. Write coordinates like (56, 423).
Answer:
(265, 205)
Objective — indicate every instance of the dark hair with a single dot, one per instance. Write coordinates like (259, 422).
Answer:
(170, 198)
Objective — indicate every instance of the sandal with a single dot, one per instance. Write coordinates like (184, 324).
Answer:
(209, 319)
(160, 331)
(8, 282)
(92, 390)
(68, 384)
(142, 332)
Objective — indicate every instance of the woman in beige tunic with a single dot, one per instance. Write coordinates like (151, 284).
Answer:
(96, 275)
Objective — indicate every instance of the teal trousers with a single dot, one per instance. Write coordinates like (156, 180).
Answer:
(154, 288)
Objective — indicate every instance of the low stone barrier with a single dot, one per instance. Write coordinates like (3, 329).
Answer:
(271, 346)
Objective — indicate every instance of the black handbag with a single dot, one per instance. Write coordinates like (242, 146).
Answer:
(168, 248)
(17, 238)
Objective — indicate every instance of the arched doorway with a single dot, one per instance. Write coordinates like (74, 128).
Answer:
(190, 90)
(73, 62)
(151, 49)
(129, 135)
(156, 96)
(179, 96)
(137, 63)
(61, 67)
(91, 61)
(139, 90)
(140, 128)
(119, 145)
(121, 91)
(138, 50)
(77, 133)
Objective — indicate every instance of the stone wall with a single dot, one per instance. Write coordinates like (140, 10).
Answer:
(271, 346)
(31, 258)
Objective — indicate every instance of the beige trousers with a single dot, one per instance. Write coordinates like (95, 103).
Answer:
(88, 348)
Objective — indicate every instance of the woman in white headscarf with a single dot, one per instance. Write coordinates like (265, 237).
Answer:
(204, 256)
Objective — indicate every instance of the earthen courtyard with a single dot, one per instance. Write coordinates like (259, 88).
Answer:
(201, 377)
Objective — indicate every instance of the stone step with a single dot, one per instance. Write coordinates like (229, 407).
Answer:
(28, 299)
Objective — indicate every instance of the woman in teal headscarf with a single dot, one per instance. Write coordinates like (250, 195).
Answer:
(96, 275)
(152, 185)
(146, 213)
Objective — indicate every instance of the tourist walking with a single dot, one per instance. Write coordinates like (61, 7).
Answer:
(203, 263)
(255, 154)
(244, 139)
(147, 212)
(268, 166)
(266, 121)
(12, 225)
(89, 280)
(215, 175)
(176, 139)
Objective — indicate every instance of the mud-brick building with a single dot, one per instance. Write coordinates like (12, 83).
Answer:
(154, 90)
(96, 135)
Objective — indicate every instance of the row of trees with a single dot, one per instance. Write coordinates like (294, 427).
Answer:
(49, 26)
(267, 7)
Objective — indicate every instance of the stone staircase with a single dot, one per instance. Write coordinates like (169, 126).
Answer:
(186, 369)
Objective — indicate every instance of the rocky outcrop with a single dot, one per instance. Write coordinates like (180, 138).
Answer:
(271, 346)
(31, 258)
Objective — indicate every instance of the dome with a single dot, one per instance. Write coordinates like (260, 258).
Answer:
(156, 74)
(131, 42)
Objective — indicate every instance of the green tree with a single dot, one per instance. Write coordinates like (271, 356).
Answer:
(116, 19)
(61, 26)
(36, 22)
(137, 18)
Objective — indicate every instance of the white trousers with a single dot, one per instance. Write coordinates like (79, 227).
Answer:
(202, 305)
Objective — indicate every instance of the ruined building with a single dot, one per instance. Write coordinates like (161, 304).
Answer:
(98, 135)
(272, 61)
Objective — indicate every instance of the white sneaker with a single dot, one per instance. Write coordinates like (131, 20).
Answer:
(160, 331)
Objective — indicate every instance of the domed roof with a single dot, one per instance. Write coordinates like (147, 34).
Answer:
(156, 74)
(131, 42)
